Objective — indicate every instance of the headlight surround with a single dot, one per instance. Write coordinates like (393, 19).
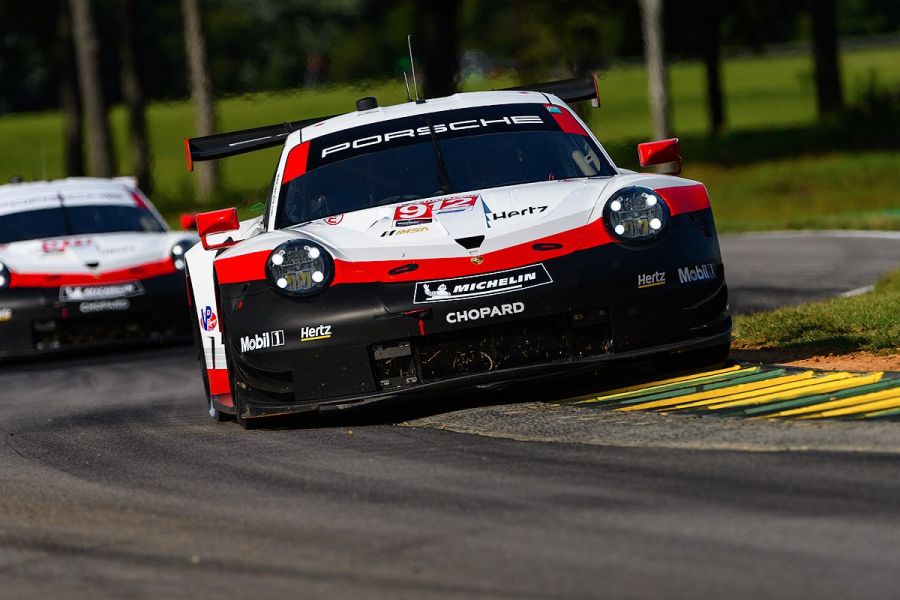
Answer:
(299, 268)
(178, 251)
(636, 215)
(4, 277)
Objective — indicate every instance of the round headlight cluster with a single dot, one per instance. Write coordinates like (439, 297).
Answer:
(178, 251)
(299, 268)
(4, 277)
(636, 214)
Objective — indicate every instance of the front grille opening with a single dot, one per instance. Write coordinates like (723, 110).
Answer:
(479, 350)
(395, 365)
(485, 349)
(53, 334)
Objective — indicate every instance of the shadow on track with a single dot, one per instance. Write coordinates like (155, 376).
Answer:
(385, 412)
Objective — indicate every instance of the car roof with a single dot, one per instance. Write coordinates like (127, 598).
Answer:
(16, 197)
(408, 109)
(26, 188)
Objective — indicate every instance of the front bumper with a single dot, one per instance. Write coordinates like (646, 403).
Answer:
(37, 321)
(359, 342)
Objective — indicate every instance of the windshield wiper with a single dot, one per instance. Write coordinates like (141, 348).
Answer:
(442, 170)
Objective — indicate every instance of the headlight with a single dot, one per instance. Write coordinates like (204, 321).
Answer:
(636, 214)
(178, 251)
(4, 277)
(299, 268)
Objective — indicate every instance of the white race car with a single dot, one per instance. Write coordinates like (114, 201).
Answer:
(479, 241)
(87, 261)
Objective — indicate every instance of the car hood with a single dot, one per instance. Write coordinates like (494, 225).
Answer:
(475, 222)
(88, 254)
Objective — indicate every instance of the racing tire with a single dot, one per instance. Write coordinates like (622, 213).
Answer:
(237, 385)
(692, 360)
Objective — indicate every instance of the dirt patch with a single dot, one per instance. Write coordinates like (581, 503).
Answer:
(855, 361)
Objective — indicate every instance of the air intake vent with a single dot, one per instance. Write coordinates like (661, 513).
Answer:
(470, 243)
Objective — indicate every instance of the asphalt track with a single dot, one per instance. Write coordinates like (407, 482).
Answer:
(114, 483)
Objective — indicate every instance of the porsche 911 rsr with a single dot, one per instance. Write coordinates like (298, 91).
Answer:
(480, 240)
(85, 262)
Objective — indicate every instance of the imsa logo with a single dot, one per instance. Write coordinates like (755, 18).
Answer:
(269, 339)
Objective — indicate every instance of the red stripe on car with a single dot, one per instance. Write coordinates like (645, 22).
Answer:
(49, 280)
(567, 122)
(218, 382)
(685, 198)
(251, 266)
(296, 162)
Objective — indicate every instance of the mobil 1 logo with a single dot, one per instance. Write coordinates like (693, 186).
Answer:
(260, 341)
(487, 284)
(693, 273)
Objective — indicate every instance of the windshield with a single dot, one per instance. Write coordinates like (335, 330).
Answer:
(76, 220)
(400, 160)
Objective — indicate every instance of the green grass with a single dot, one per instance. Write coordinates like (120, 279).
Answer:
(868, 322)
(774, 169)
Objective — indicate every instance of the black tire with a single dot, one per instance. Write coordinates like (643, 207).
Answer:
(713, 356)
(237, 385)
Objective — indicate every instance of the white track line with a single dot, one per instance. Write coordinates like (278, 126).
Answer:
(825, 233)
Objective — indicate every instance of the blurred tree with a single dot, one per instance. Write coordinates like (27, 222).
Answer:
(829, 96)
(437, 45)
(133, 94)
(709, 21)
(201, 94)
(67, 83)
(657, 75)
(87, 54)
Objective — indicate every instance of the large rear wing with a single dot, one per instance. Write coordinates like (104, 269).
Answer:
(223, 145)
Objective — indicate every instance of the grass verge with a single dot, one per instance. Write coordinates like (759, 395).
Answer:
(868, 322)
(776, 167)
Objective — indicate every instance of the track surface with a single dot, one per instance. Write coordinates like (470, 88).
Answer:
(765, 271)
(116, 484)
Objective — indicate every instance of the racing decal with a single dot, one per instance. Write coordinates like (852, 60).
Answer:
(208, 320)
(95, 306)
(45, 280)
(357, 141)
(647, 280)
(78, 293)
(485, 312)
(333, 219)
(319, 332)
(296, 162)
(54, 246)
(259, 341)
(697, 273)
(508, 214)
(406, 231)
(5, 314)
(474, 286)
(565, 120)
(418, 213)
(251, 266)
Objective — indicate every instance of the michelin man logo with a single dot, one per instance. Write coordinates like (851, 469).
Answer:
(441, 292)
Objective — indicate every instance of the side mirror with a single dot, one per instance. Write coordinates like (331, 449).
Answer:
(217, 221)
(661, 153)
(188, 221)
